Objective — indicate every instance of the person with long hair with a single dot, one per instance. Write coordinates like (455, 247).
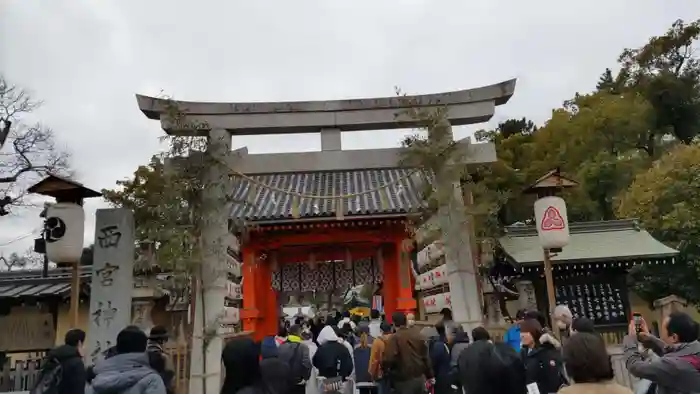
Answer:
(588, 364)
(543, 365)
(361, 355)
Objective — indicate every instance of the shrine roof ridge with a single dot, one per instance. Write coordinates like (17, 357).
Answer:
(37, 274)
(269, 206)
(529, 230)
(599, 241)
(501, 92)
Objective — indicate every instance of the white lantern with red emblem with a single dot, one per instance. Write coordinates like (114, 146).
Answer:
(552, 222)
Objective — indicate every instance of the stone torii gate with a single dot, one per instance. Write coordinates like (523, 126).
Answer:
(329, 119)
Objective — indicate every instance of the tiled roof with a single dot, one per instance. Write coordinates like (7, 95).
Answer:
(404, 197)
(31, 283)
(34, 290)
(613, 240)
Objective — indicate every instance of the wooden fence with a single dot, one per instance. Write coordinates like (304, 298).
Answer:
(622, 376)
(180, 356)
(19, 377)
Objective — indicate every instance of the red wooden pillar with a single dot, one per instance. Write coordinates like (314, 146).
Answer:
(267, 298)
(398, 281)
(251, 313)
(404, 301)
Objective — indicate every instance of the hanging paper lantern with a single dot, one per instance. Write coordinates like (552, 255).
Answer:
(552, 222)
(64, 232)
(340, 209)
(252, 193)
(384, 199)
(293, 300)
(348, 259)
(274, 265)
(296, 207)
(312, 261)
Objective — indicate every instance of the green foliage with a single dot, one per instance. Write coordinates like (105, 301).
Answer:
(666, 200)
(667, 73)
(610, 141)
(440, 161)
(166, 208)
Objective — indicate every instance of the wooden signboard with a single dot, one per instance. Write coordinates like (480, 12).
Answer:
(602, 301)
(27, 332)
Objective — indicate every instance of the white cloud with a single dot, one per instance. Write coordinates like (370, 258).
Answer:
(86, 60)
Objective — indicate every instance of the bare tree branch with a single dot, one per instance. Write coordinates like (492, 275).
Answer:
(27, 153)
(16, 262)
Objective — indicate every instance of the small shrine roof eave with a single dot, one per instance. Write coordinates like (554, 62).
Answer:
(326, 219)
(552, 179)
(590, 242)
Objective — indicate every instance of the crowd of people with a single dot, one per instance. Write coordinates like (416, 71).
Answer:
(137, 364)
(342, 353)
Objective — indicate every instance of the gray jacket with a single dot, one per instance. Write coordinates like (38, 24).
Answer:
(127, 373)
(674, 373)
(300, 363)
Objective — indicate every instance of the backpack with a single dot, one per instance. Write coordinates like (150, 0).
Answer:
(296, 366)
(49, 378)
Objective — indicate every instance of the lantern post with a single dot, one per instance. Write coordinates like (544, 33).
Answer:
(64, 228)
(552, 224)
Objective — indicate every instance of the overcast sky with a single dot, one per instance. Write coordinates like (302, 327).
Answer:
(86, 59)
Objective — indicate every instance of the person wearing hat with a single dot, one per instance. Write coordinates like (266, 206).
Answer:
(512, 336)
(157, 338)
(160, 360)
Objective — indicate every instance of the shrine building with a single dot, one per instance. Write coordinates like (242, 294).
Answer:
(321, 222)
(589, 274)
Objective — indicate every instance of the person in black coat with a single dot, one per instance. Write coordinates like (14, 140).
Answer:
(332, 358)
(488, 368)
(543, 364)
(70, 357)
(440, 359)
(245, 374)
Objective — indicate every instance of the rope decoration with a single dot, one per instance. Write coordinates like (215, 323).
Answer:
(177, 117)
(384, 198)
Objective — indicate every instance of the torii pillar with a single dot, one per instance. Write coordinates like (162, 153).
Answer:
(329, 119)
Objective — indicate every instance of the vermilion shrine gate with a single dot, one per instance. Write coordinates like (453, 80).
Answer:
(331, 243)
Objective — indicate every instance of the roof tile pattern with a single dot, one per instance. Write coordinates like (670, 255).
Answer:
(32, 283)
(271, 205)
(614, 240)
